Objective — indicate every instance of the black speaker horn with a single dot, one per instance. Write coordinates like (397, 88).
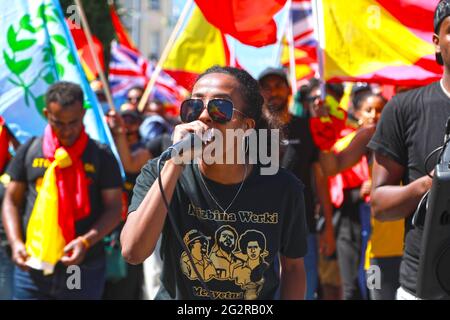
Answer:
(433, 281)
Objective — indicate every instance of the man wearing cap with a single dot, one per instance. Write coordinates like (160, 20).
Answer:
(125, 129)
(197, 244)
(412, 125)
(299, 155)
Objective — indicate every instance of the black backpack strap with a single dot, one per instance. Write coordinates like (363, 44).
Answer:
(32, 148)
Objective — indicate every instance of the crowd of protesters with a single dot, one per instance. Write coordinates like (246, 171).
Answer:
(323, 144)
(334, 222)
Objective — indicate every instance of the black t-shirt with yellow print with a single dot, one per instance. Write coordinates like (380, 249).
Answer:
(236, 253)
(102, 172)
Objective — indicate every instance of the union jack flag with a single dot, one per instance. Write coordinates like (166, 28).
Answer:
(304, 41)
(128, 68)
(303, 24)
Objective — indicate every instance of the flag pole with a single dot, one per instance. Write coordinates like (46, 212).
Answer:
(276, 54)
(290, 38)
(164, 55)
(232, 52)
(319, 34)
(90, 41)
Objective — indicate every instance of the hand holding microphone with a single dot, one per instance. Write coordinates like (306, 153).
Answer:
(187, 142)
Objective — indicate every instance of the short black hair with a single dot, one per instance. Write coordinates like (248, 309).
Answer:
(336, 88)
(359, 91)
(363, 98)
(65, 93)
(135, 88)
(252, 235)
(305, 90)
(249, 89)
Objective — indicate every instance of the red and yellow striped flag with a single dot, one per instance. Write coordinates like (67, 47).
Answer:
(199, 47)
(384, 41)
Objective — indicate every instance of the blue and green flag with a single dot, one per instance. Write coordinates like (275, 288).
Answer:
(37, 50)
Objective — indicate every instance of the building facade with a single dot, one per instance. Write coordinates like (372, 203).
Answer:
(149, 22)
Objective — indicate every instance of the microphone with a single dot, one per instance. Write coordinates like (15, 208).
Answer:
(190, 141)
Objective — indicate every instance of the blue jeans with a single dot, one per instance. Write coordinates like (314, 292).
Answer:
(6, 275)
(311, 267)
(34, 285)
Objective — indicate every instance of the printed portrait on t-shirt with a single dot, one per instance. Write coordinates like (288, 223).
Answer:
(250, 273)
(235, 258)
(197, 244)
(222, 254)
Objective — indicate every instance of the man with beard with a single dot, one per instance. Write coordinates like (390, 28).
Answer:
(299, 154)
(222, 254)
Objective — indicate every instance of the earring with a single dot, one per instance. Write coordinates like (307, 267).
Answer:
(245, 144)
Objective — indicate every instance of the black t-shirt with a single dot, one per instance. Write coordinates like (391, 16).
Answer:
(102, 172)
(156, 146)
(298, 154)
(412, 125)
(3, 239)
(2, 229)
(235, 252)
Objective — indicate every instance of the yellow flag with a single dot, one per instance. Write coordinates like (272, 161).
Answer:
(362, 37)
(199, 47)
(304, 63)
(45, 241)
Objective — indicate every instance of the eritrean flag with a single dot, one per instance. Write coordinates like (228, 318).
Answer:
(383, 41)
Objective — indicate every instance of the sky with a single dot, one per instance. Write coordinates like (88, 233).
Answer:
(254, 60)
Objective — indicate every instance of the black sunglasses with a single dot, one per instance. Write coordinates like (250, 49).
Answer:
(132, 99)
(220, 110)
(312, 98)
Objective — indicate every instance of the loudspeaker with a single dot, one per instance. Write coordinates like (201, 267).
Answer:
(433, 281)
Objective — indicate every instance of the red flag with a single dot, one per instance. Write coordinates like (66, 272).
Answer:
(351, 178)
(87, 60)
(408, 11)
(4, 144)
(198, 47)
(251, 22)
(396, 36)
(121, 33)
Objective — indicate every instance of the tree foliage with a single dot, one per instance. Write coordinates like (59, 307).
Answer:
(99, 19)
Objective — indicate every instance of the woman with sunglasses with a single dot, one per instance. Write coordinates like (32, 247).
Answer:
(229, 228)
